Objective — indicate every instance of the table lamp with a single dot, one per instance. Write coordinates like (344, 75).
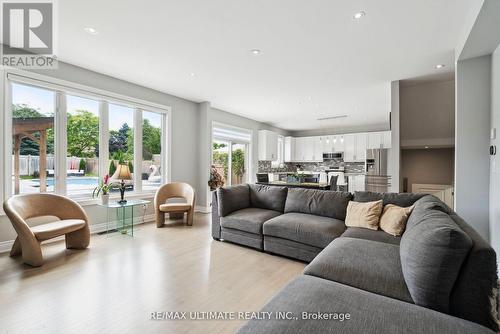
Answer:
(122, 173)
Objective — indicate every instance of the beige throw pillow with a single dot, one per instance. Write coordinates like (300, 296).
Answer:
(365, 215)
(393, 220)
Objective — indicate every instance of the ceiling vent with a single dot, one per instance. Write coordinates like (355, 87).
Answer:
(331, 117)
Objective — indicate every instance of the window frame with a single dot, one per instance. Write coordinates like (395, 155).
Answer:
(62, 88)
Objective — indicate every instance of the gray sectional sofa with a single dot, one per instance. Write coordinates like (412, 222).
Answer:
(440, 276)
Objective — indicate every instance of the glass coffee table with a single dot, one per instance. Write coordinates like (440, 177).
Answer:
(120, 216)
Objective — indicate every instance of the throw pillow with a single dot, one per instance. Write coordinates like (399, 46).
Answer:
(393, 220)
(365, 215)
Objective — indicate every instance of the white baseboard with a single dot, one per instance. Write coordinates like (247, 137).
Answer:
(203, 209)
(5, 246)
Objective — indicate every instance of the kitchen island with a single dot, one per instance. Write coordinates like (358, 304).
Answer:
(307, 185)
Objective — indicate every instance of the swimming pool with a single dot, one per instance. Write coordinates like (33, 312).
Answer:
(80, 181)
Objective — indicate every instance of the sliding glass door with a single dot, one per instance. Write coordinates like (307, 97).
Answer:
(230, 160)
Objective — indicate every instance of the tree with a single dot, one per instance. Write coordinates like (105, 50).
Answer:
(151, 140)
(83, 134)
(120, 140)
(238, 162)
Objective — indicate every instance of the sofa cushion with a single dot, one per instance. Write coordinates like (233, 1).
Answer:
(399, 199)
(233, 198)
(248, 220)
(291, 249)
(366, 215)
(368, 312)
(366, 234)
(331, 204)
(432, 253)
(364, 264)
(311, 230)
(422, 207)
(268, 197)
(242, 238)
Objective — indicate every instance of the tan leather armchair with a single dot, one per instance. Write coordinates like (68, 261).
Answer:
(174, 190)
(73, 223)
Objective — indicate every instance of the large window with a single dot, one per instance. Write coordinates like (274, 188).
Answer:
(82, 132)
(64, 142)
(32, 139)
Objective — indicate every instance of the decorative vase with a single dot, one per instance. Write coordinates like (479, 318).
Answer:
(105, 199)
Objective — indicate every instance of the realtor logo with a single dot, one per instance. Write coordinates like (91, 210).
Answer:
(28, 34)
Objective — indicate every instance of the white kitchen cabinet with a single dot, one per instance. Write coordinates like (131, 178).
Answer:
(349, 147)
(355, 147)
(374, 140)
(307, 149)
(360, 154)
(379, 140)
(386, 139)
(318, 149)
(289, 149)
(268, 145)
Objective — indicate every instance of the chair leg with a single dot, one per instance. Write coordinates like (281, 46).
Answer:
(32, 255)
(160, 219)
(16, 248)
(79, 239)
(190, 214)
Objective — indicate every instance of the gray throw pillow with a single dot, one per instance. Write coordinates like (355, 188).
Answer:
(268, 197)
(432, 253)
(232, 199)
(400, 199)
(324, 203)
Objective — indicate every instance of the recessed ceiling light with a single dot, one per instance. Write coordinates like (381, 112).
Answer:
(359, 15)
(255, 51)
(91, 31)
(192, 74)
(426, 147)
(438, 66)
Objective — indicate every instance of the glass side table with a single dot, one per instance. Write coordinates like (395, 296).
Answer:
(120, 217)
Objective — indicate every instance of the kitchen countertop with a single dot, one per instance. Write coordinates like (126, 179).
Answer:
(310, 185)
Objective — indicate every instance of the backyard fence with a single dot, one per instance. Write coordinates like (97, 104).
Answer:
(29, 165)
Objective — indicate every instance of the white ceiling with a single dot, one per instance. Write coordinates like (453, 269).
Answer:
(316, 60)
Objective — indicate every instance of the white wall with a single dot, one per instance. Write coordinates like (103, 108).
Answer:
(394, 157)
(472, 169)
(495, 162)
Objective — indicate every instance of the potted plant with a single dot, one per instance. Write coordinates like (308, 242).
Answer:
(104, 187)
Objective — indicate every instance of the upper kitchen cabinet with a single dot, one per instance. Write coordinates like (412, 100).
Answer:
(355, 147)
(307, 149)
(268, 145)
(289, 149)
(332, 144)
(318, 149)
(379, 140)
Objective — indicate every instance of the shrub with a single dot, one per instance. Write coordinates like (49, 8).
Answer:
(112, 168)
(130, 166)
(82, 165)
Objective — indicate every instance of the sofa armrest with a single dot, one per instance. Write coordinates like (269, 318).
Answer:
(215, 217)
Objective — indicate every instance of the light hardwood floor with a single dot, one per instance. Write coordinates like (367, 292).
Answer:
(113, 286)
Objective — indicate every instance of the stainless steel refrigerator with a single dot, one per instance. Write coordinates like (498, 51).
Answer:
(377, 176)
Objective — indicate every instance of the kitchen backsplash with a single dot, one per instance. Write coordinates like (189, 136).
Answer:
(354, 167)
(350, 167)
